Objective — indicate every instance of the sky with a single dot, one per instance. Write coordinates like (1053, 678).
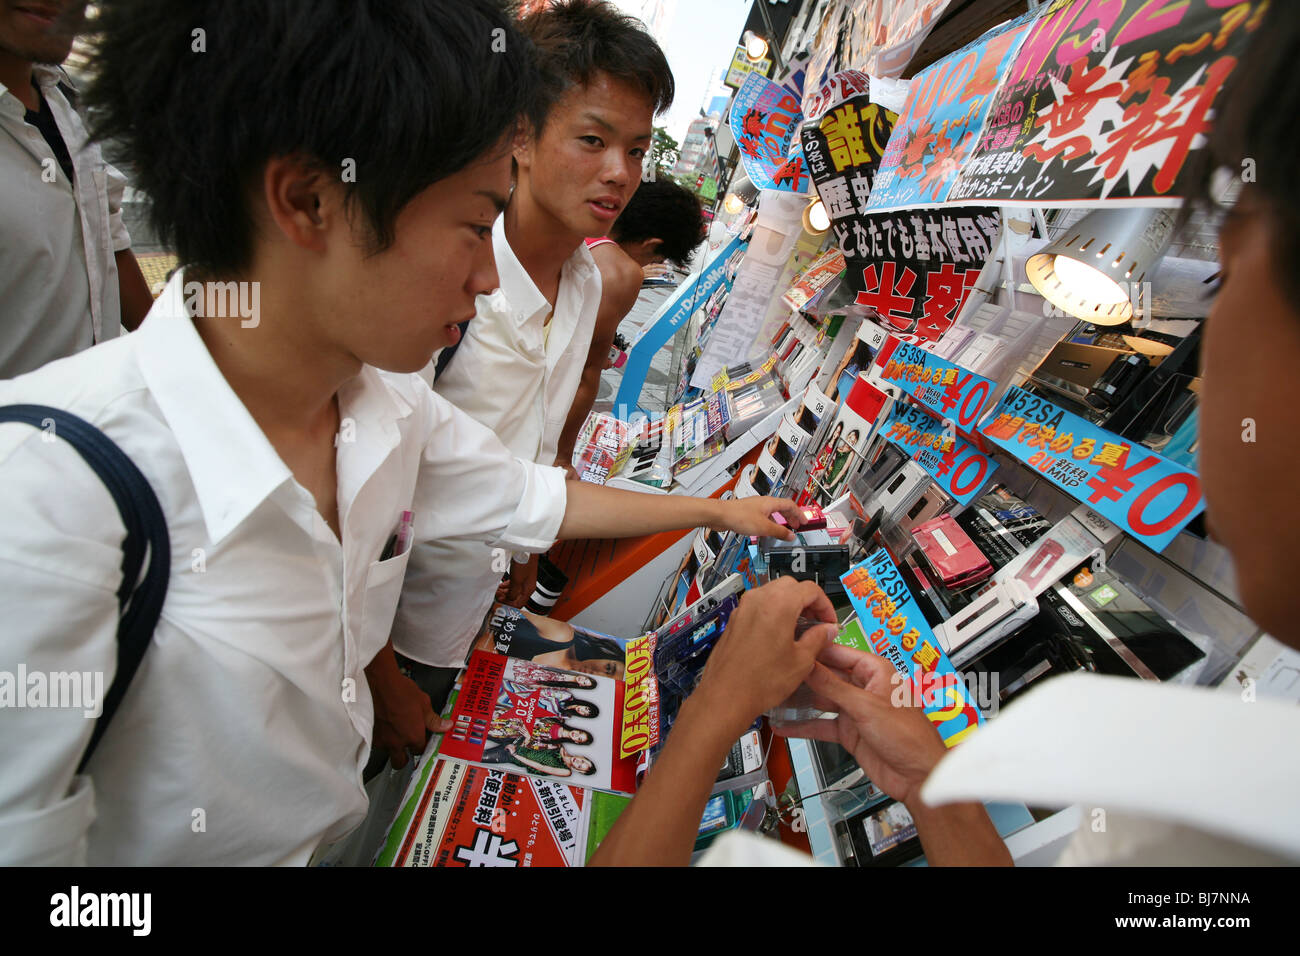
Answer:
(698, 37)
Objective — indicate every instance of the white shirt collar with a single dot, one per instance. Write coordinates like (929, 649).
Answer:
(525, 299)
(230, 461)
(46, 77)
(232, 465)
(1209, 760)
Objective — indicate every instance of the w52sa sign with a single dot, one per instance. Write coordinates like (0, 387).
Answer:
(1148, 496)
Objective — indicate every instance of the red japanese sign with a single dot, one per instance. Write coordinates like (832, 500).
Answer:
(917, 268)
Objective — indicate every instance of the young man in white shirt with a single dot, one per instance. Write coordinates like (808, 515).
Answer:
(519, 366)
(284, 442)
(68, 278)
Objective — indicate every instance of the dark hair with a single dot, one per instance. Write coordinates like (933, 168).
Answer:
(410, 92)
(567, 708)
(588, 646)
(576, 39)
(664, 210)
(1255, 120)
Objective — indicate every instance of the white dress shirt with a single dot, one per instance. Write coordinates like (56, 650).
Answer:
(58, 278)
(519, 379)
(244, 733)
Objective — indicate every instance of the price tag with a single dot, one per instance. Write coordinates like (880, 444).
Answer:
(816, 402)
(895, 628)
(791, 433)
(770, 466)
(958, 467)
(703, 554)
(872, 334)
(945, 388)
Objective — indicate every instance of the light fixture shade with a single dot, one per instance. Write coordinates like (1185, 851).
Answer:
(816, 221)
(755, 46)
(1099, 265)
(741, 194)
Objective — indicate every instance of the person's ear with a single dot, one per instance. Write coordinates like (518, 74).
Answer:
(647, 250)
(300, 202)
(524, 144)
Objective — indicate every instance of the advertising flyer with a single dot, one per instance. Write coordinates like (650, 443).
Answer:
(765, 120)
(824, 270)
(901, 635)
(960, 469)
(944, 387)
(916, 268)
(520, 717)
(1148, 496)
(473, 816)
(1078, 102)
(514, 632)
(942, 119)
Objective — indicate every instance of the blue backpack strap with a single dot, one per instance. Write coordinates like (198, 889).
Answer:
(140, 600)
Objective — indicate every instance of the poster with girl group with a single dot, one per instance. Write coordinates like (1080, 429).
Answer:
(525, 718)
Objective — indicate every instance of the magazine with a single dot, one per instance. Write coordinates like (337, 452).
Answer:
(513, 632)
(473, 816)
(526, 718)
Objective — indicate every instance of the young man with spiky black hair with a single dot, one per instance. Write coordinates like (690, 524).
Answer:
(348, 211)
(603, 80)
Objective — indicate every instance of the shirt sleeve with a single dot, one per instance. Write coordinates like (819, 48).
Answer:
(470, 486)
(60, 566)
(117, 230)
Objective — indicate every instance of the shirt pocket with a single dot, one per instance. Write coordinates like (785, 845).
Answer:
(56, 835)
(379, 603)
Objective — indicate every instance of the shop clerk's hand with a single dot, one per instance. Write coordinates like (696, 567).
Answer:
(759, 662)
(753, 516)
(896, 744)
(404, 718)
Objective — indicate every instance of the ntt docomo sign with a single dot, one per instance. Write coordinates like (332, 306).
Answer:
(1147, 495)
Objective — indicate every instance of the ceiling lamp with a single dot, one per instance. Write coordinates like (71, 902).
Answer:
(1091, 271)
(755, 46)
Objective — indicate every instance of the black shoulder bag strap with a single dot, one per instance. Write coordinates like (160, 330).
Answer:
(140, 600)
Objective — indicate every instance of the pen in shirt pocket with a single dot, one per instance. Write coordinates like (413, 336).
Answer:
(400, 540)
